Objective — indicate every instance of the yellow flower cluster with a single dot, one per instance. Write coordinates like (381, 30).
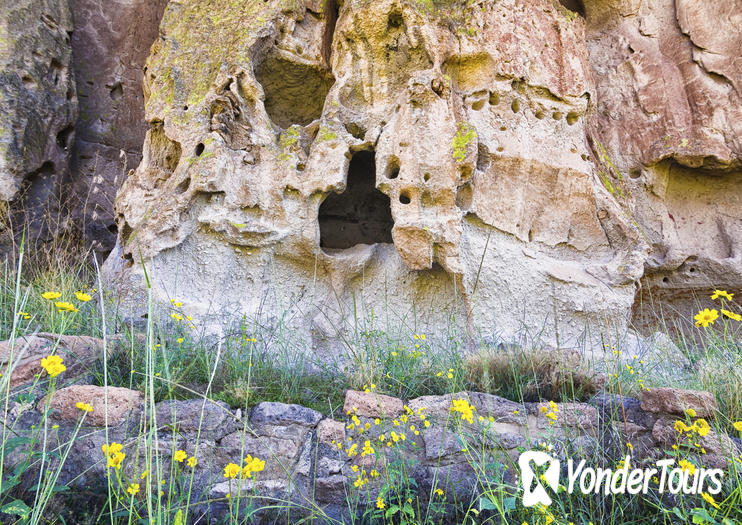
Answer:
(114, 454)
(251, 466)
(700, 427)
(65, 306)
(463, 407)
(133, 489)
(85, 407)
(707, 316)
(550, 412)
(53, 365)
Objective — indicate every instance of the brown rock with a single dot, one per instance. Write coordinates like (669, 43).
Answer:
(330, 432)
(77, 352)
(120, 402)
(677, 401)
(111, 42)
(372, 404)
(578, 416)
(38, 108)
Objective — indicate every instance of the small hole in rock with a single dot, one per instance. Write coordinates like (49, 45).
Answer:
(665, 280)
(392, 170)
(479, 104)
(426, 177)
(117, 91)
(515, 106)
(404, 198)
(572, 118)
(494, 99)
(635, 173)
(556, 115)
(539, 115)
(200, 149)
(300, 167)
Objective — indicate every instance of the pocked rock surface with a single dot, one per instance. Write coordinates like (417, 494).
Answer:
(313, 164)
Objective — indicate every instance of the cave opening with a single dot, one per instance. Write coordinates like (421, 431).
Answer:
(359, 215)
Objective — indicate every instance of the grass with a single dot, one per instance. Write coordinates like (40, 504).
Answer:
(171, 359)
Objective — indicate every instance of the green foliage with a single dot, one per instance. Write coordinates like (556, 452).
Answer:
(465, 134)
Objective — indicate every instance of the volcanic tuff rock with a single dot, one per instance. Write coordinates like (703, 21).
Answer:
(456, 138)
(37, 104)
(497, 163)
(110, 43)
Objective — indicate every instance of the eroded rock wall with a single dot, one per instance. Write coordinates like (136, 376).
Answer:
(476, 121)
(38, 109)
(111, 42)
(669, 117)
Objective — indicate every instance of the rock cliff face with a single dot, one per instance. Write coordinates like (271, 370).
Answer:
(111, 42)
(71, 110)
(496, 166)
(38, 107)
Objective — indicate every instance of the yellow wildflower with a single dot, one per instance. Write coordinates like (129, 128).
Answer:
(380, 503)
(231, 471)
(85, 407)
(180, 456)
(702, 427)
(731, 315)
(723, 294)
(192, 461)
(710, 499)
(687, 465)
(463, 407)
(439, 492)
(133, 489)
(691, 412)
(252, 465)
(706, 317)
(738, 426)
(64, 306)
(50, 296)
(53, 365)
(83, 297)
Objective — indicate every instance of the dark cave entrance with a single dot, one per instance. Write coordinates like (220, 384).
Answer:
(359, 215)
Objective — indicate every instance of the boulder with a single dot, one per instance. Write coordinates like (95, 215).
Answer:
(675, 401)
(117, 402)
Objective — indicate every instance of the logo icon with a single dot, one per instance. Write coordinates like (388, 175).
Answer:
(551, 476)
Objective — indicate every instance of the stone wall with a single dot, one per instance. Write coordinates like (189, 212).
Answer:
(320, 463)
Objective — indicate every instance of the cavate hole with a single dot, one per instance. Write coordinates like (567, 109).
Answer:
(27, 81)
(294, 92)
(574, 5)
(572, 118)
(665, 279)
(515, 106)
(404, 198)
(479, 104)
(117, 91)
(183, 186)
(359, 215)
(199, 149)
(557, 115)
(635, 173)
(426, 177)
(395, 20)
(494, 99)
(392, 169)
(63, 137)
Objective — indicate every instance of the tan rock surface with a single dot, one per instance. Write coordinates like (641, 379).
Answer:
(76, 351)
(472, 142)
(676, 401)
(118, 401)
